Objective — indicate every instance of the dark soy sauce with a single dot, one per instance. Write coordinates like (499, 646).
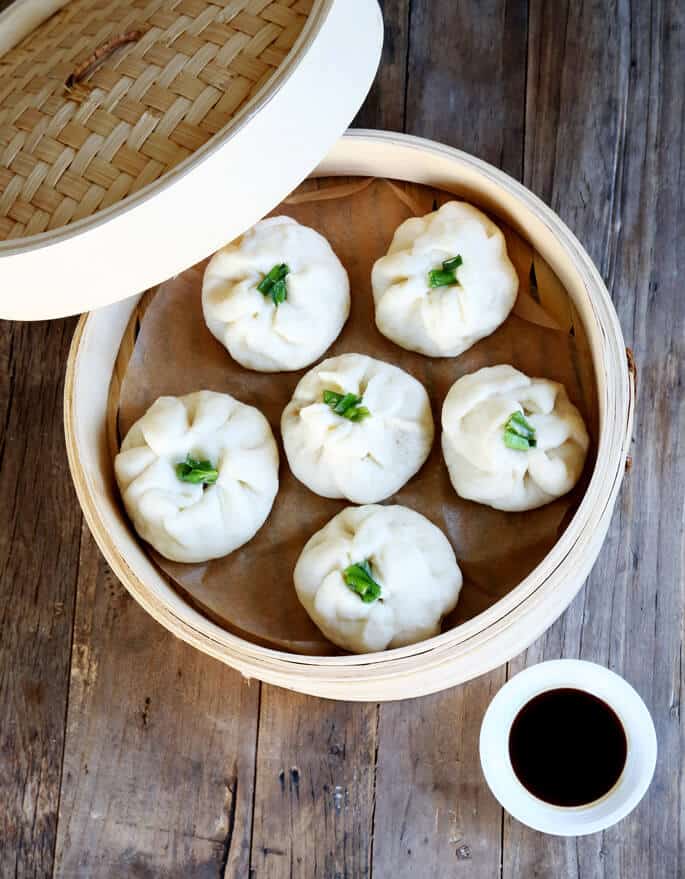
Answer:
(567, 747)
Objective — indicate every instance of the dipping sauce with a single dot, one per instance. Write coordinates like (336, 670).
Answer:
(567, 747)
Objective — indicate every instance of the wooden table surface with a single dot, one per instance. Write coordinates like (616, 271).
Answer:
(125, 753)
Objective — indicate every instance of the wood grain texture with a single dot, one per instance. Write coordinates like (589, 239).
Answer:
(160, 745)
(466, 77)
(609, 157)
(434, 814)
(385, 105)
(314, 788)
(39, 544)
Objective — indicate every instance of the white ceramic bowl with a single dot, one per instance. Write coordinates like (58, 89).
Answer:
(631, 711)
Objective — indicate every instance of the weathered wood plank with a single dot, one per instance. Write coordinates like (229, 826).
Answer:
(160, 744)
(385, 106)
(433, 811)
(39, 544)
(466, 77)
(605, 145)
(314, 788)
(434, 815)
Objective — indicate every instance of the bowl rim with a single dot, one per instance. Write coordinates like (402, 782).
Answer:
(516, 619)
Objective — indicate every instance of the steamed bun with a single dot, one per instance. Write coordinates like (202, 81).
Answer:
(512, 442)
(227, 453)
(463, 253)
(377, 577)
(367, 451)
(300, 309)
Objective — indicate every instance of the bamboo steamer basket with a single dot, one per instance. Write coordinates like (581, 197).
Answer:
(483, 642)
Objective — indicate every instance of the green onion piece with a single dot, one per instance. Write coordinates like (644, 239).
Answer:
(451, 265)
(519, 434)
(514, 441)
(439, 278)
(357, 413)
(521, 426)
(197, 472)
(279, 292)
(447, 275)
(360, 580)
(331, 398)
(273, 284)
(346, 405)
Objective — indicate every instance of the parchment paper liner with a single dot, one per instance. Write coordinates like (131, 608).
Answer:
(168, 350)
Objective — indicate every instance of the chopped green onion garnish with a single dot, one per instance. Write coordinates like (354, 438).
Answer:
(197, 472)
(273, 284)
(279, 292)
(519, 434)
(447, 275)
(519, 424)
(451, 265)
(346, 405)
(357, 413)
(514, 441)
(360, 580)
(340, 403)
(439, 278)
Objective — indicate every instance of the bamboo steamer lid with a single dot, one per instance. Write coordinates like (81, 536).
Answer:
(138, 137)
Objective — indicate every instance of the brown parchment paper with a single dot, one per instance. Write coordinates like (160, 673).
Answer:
(250, 592)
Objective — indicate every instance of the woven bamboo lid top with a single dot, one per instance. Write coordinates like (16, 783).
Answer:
(185, 69)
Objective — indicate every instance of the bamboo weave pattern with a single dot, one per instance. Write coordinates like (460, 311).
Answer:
(66, 154)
